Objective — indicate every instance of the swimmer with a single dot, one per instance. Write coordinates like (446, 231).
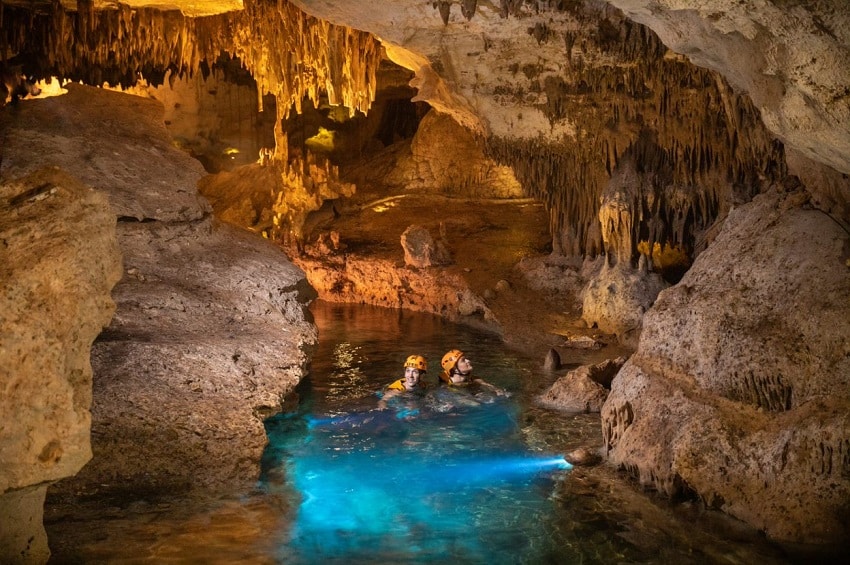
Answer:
(457, 371)
(414, 367)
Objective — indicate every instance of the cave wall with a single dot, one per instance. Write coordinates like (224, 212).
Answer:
(713, 110)
(739, 391)
(60, 261)
(209, 330)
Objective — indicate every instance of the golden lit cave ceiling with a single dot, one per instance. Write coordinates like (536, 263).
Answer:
(191, 8)
(694, 142)
(291, 55)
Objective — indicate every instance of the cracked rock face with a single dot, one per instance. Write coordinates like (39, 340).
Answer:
(739, 388)
(59, 262)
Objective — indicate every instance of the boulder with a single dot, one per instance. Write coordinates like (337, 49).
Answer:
(60, 262)
(422, 250)
(739, 390)
(584, 389)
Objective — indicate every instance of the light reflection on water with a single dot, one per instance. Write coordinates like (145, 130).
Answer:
(456, 482)
(446, 474)
(470, 478)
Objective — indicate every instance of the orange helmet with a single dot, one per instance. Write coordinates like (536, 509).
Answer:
(416, 362)
(450, 359)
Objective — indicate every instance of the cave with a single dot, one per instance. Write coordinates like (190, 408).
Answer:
(665, 184)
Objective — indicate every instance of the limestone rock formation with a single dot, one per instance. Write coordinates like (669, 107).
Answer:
(422, 250)
(210, 326)
(792, 60)
(552, 362)
(446, 158)
(59, 263)
(584, 389)
(739, 389)
(714, 101)
(359, 279)
(616, 299)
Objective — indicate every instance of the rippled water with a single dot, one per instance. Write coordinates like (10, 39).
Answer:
(448, 477)
(466, 476)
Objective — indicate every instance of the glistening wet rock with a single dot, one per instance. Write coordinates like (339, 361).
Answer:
(583, 456)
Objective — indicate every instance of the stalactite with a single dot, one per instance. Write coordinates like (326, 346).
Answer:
(444, 8)
(468, 7)
(510, 7)
(290, 55)
(693, 115)
(707, 140)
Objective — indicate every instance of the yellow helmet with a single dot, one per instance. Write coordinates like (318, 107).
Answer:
(416, 362)
(450, 359)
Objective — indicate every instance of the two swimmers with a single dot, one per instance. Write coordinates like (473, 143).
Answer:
(457, 371)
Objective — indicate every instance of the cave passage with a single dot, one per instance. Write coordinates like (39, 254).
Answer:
(447, 473)
(469, 476)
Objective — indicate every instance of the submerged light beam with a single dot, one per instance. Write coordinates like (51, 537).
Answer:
(497, 468)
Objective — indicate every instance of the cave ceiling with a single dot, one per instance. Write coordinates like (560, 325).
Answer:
(703, 98)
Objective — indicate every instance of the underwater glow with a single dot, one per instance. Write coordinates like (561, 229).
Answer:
(446, 473)
(453, 475)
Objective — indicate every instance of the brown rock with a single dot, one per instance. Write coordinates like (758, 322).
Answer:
(741, 385)
(421, 250)
(583, 456)
(60, 261)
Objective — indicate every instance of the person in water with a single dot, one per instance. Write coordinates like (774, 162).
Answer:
(457, 371)
(414, 367)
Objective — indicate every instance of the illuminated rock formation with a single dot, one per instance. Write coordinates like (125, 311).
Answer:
(60, 262)
(712, 104)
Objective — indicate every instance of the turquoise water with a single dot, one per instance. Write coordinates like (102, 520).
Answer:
(458, 478)
(466, 477)
(443, 474)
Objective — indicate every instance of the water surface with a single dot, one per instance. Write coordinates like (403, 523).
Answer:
(467, 476)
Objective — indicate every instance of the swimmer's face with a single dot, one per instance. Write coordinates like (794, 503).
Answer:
(411, 378)
(464, 366)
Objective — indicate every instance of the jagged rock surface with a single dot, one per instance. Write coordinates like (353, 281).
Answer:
(59, 262)
(739, 389)
(791, 59)
(584, 389)
(210, 326)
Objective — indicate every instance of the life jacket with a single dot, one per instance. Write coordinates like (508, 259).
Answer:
(399, 385)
